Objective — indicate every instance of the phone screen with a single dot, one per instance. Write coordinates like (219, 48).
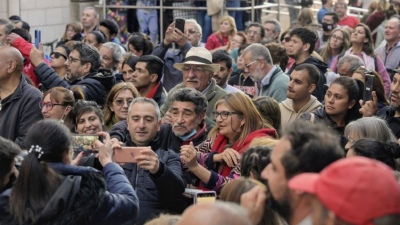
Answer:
(369, 85)
(205, 197)
(84, 143)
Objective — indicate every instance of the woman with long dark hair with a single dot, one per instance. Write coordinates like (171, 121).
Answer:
(50, 191)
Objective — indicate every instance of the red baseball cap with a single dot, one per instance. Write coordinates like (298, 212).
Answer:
(357, 189)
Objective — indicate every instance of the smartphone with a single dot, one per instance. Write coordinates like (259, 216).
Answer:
(126, 154)
(369, 86)
(180, 24)
(205, 197)
(38, 37)
(84, 143)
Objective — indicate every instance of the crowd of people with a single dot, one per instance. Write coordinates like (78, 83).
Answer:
(283, 127)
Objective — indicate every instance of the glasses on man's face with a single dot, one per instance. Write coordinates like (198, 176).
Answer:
(49, 105)
(191, 31)
(224, 114)
(57, 55)
(72, 59)
(253, 32)
(121, 102)
(337, 38)
(199, 69)
(248, 65)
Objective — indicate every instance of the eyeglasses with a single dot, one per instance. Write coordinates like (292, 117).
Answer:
(224, 114)
(121, 102)
(191, 31)
(195, 68)
(57, 55)
(286, 39)
(337, 37)
(248, 65)
(72, 59)
(250, 32)
(49, 105)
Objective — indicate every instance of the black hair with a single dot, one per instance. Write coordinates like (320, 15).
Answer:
(191, 95)
(26, 26)
(154, 65)
(391, 11)
(242, 48)
(99, 36)
(140, 43)
(335, 17)
(8, 151)
(306, 36)
(131, 61)
(374, 149)
(255, 159)
(312, 70)
(66, 48)
(23, 33)
(313, 147)
(354, 90)
(83, 106)
(222, 56)
(48, 141)
(111, 25)
(88, 54)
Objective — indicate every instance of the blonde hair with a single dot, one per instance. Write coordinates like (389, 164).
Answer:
(263, 141)
(76, 26)
(242, 104)
(232, 22)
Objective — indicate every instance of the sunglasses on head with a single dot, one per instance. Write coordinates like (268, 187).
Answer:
(57, 55)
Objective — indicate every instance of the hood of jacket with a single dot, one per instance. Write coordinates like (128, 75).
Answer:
(322, 66)
(105, 77)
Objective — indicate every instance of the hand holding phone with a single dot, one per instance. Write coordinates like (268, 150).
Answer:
(84, 143)
(126, 154)
(38, 37)
(180, 24)
(369, 86)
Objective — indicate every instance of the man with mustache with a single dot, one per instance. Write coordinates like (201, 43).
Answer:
(197, 70)
(303, 147)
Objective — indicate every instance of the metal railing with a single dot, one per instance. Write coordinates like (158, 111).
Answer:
(252, 8)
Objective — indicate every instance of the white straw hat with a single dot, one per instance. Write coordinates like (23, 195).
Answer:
(198, 56)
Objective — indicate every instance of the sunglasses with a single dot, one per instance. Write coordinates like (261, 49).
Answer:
(287, 39)
(57, 55)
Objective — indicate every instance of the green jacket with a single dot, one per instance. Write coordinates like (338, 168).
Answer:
(213, 95)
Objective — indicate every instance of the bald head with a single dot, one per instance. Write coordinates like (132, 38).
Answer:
(215, 214)
(11, 54)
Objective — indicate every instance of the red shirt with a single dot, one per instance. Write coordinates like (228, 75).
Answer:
(215, 41)
(349, 21)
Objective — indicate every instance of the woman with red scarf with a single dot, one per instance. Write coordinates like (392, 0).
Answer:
(217, 159)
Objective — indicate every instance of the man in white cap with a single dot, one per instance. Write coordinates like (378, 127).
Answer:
(197, 70)
(357, 191)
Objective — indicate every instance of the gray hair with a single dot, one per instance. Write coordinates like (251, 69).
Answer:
(276, 24)
(355, 62)
(199, 29)
(370, 127)
(230, 213)
(395, 18)
(258, 51)
(149, 101)
(8, 25)
(191, 95)
(96, 14)
(116, 50)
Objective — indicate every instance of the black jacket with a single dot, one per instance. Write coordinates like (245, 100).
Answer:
(95, 85)
(159, 192)
(19, 111)
(387, 113)
(160, 95)
(84, 198)
(320, 90)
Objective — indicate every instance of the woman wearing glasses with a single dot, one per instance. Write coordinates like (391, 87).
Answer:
(217, 159)
(58, 103)
(338, 42)
(117, 103)
(58, 59)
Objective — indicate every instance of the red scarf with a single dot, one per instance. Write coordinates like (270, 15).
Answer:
(153, 91)
(240, 146)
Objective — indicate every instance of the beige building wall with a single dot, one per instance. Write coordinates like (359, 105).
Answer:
(50, 16)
